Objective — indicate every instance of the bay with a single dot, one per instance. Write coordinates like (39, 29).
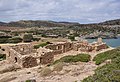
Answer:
(110, 42)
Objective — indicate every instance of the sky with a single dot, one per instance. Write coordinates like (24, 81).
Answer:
(82, 11)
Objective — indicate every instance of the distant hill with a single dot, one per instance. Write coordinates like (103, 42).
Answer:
(38, 23)
(2, 23)
(111, 22)
(41, 23)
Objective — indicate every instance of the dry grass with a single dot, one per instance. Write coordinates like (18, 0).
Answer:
(45, 71)
(58, 66)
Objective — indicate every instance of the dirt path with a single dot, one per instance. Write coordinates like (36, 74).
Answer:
(70, 73)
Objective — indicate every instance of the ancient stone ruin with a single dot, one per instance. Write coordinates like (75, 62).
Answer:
(26, 56)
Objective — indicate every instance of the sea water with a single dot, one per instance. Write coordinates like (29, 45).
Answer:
(110, 42)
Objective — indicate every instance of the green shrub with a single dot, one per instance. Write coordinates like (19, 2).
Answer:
(45, 71)
(27, 37)
(41, 45)
(33, 80)
(28, 81)
(10, 40)
(43, 35)
(109, 72)
(76, 58)
(72, 38)
(15, 40)
(100, 58)
(3, 40)
(36, 39)
(5, 37)
(2, 57)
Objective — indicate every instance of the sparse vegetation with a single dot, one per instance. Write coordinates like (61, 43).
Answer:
(41, 45)
(28, 81)
(43, 35)
(36, 39)
(31, 80)
(58, 66)
(2, 57)
(72, 38)
(45, 71)
(100, 58)
(15, 40)
(4, 39)
(27, 37)
(109, 72)
(76, 58)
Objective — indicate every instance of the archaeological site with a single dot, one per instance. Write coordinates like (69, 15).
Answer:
(26, 56)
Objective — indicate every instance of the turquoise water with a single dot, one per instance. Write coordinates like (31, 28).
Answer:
(110, 42)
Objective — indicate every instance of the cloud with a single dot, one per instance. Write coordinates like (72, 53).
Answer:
(83, 11)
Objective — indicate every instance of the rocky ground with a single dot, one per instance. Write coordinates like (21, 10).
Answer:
(70, 73)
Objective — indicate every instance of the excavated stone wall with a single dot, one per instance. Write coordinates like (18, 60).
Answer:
(23, 49)
(100, 47)
(82, 47)
(21, 53)
(47, 58)
(85, 48)
(60, 48)
(12, 56)
(29, 61)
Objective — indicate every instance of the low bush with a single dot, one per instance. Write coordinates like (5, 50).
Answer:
(41, 45)
(32, 80)
(100, 58)
(76, 58)
(2, 57)
(72, 38)
(28, 81)
(3, 40)
(36, 39)
(109, 72)
(43, 35)
(15, 40)
(27, 37)
(5, 37)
